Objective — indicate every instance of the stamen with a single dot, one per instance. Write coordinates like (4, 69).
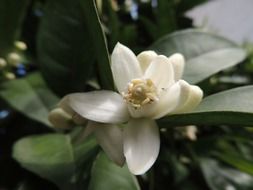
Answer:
(140, 92)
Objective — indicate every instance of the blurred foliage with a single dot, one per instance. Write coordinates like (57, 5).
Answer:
(68, 50)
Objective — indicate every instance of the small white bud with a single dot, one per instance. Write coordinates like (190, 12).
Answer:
(13, 59)
(20, 45)
(9, 76)
(189, 132)
(2, 63)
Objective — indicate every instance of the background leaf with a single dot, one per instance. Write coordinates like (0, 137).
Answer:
(99, 42)
(232, 107)
(11, 17)
(53, 157)
(205, 53)
(220, 177)
(105, 174)
(236, 160)
(30, 96)
(68, 47)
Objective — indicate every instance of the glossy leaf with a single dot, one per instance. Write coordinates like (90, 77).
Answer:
(68, 47)
(106, 174)
(232, 107)
(219, 177)
(205, 53)
(53, 157)
(30, 96)
(237, 161)
(99, 42)
(11, 17)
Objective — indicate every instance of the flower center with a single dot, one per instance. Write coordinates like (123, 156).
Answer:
(140, 92)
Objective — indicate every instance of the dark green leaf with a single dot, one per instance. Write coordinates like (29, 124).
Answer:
(30, 96)
(232, 107)
(237, 161)
(11, 17)
(70, 41)
(219, 177)
(99, 42)
(185, 5)
(166, 17)
(53, 157)
(107, 175)
(205, 53)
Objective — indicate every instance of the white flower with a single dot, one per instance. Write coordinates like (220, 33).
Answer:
(148, 88)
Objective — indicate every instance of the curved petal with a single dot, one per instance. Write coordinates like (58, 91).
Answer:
(60, 119)
(171, 99)
(110, 138)
(144, 111)
(64, 104)
(125, 66)
(178, 63)
(194, 98)
(141, 144)
(101, 106)
(78, 119)
(161, 72)
(145, 58)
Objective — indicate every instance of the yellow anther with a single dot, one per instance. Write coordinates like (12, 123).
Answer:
(140, 92)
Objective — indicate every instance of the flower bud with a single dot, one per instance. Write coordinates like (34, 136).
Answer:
(20, 45)
(60, 119)
(9, 76)
(188, 132)
(13, 59)
(2, 63)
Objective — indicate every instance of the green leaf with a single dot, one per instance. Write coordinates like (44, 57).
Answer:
(185, 5)
(205, 53)
(70, 41)
(236, 160)
(166, 17)
(30, 96)
(231, 107)
(99, 42)
(219, 177)
(106, 174)
(11, 17)
(53, 157)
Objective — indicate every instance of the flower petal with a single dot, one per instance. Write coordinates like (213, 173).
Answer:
(171, 99)
(110, 138)
(125, 66)
(101, 106)
(160, 71)
(145, 58)
(78, 119)
(178, 63)
(194, 98)
(141, 144)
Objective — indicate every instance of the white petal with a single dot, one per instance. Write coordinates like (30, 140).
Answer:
(160, 71)
(125, 66)
(171, 99)
(144, 111)
(145, 58)
(141, 144)
(64, 104)
(178, 63)
(60, 119)
(194, 98)
(101, 106)
(110, 138)
(78, 119)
